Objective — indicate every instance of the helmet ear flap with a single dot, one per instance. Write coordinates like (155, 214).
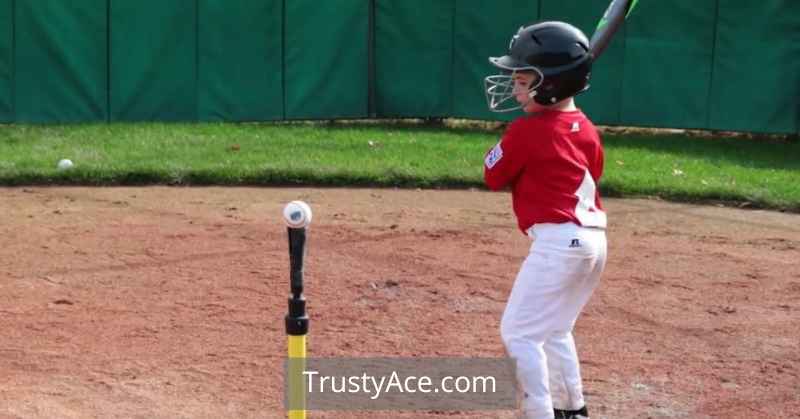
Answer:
(548, 90)
(558, 87)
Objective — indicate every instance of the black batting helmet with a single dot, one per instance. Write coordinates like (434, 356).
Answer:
(557, 51)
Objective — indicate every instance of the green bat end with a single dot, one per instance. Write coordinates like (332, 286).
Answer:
(630, 8)
(604, 21)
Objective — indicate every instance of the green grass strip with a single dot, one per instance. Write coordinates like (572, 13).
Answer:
(760, 173)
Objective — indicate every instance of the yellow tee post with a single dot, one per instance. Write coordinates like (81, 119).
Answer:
(296, 326)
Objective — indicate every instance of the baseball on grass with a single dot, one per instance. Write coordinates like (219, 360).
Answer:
(297, 214)
(65, 164)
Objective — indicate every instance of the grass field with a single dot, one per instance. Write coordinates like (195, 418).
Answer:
(758, 173)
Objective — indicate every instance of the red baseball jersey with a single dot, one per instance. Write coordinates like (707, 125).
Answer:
(553, 162)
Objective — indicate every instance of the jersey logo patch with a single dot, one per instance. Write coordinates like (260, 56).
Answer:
(576, 127)
(494, 156)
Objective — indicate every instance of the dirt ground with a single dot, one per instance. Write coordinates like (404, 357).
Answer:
(168, 302)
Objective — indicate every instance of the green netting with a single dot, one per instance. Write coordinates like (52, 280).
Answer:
(6, 63)
(239, 60)
(667, 66)
(482, 30)
(602, 101)
(326, 71)
(61, 61)
(413, 58)
(153, 60)
(755, 85)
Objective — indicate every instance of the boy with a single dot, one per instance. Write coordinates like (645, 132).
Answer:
(552, 159)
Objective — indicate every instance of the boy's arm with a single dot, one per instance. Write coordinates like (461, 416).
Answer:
(505, 161)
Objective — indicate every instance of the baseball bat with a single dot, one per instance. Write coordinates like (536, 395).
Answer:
(615, 15)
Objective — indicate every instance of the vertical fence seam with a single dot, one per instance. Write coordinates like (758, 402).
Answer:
(197, 60)
(452, 92)
(108, 60)
(283, 58)
(371, 113)
(713, 64)
(13, 61)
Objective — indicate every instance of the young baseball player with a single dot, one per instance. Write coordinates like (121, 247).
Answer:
(552, 160)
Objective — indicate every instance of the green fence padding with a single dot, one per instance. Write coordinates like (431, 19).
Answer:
(326, 59)
(153, 60)
(483, 29)
(667, 65)
(602, 101)
(6, 61)
(240, 60)
(716, 64)
(413, 58)
(61, 61)
(755, 85)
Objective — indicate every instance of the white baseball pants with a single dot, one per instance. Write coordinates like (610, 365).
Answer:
(552, 287)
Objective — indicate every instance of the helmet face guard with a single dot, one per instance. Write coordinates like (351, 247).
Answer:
(500, 93)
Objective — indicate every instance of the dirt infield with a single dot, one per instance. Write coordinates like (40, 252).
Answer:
(169, 302)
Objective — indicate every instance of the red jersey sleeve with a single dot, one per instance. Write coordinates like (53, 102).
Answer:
(505, 161)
